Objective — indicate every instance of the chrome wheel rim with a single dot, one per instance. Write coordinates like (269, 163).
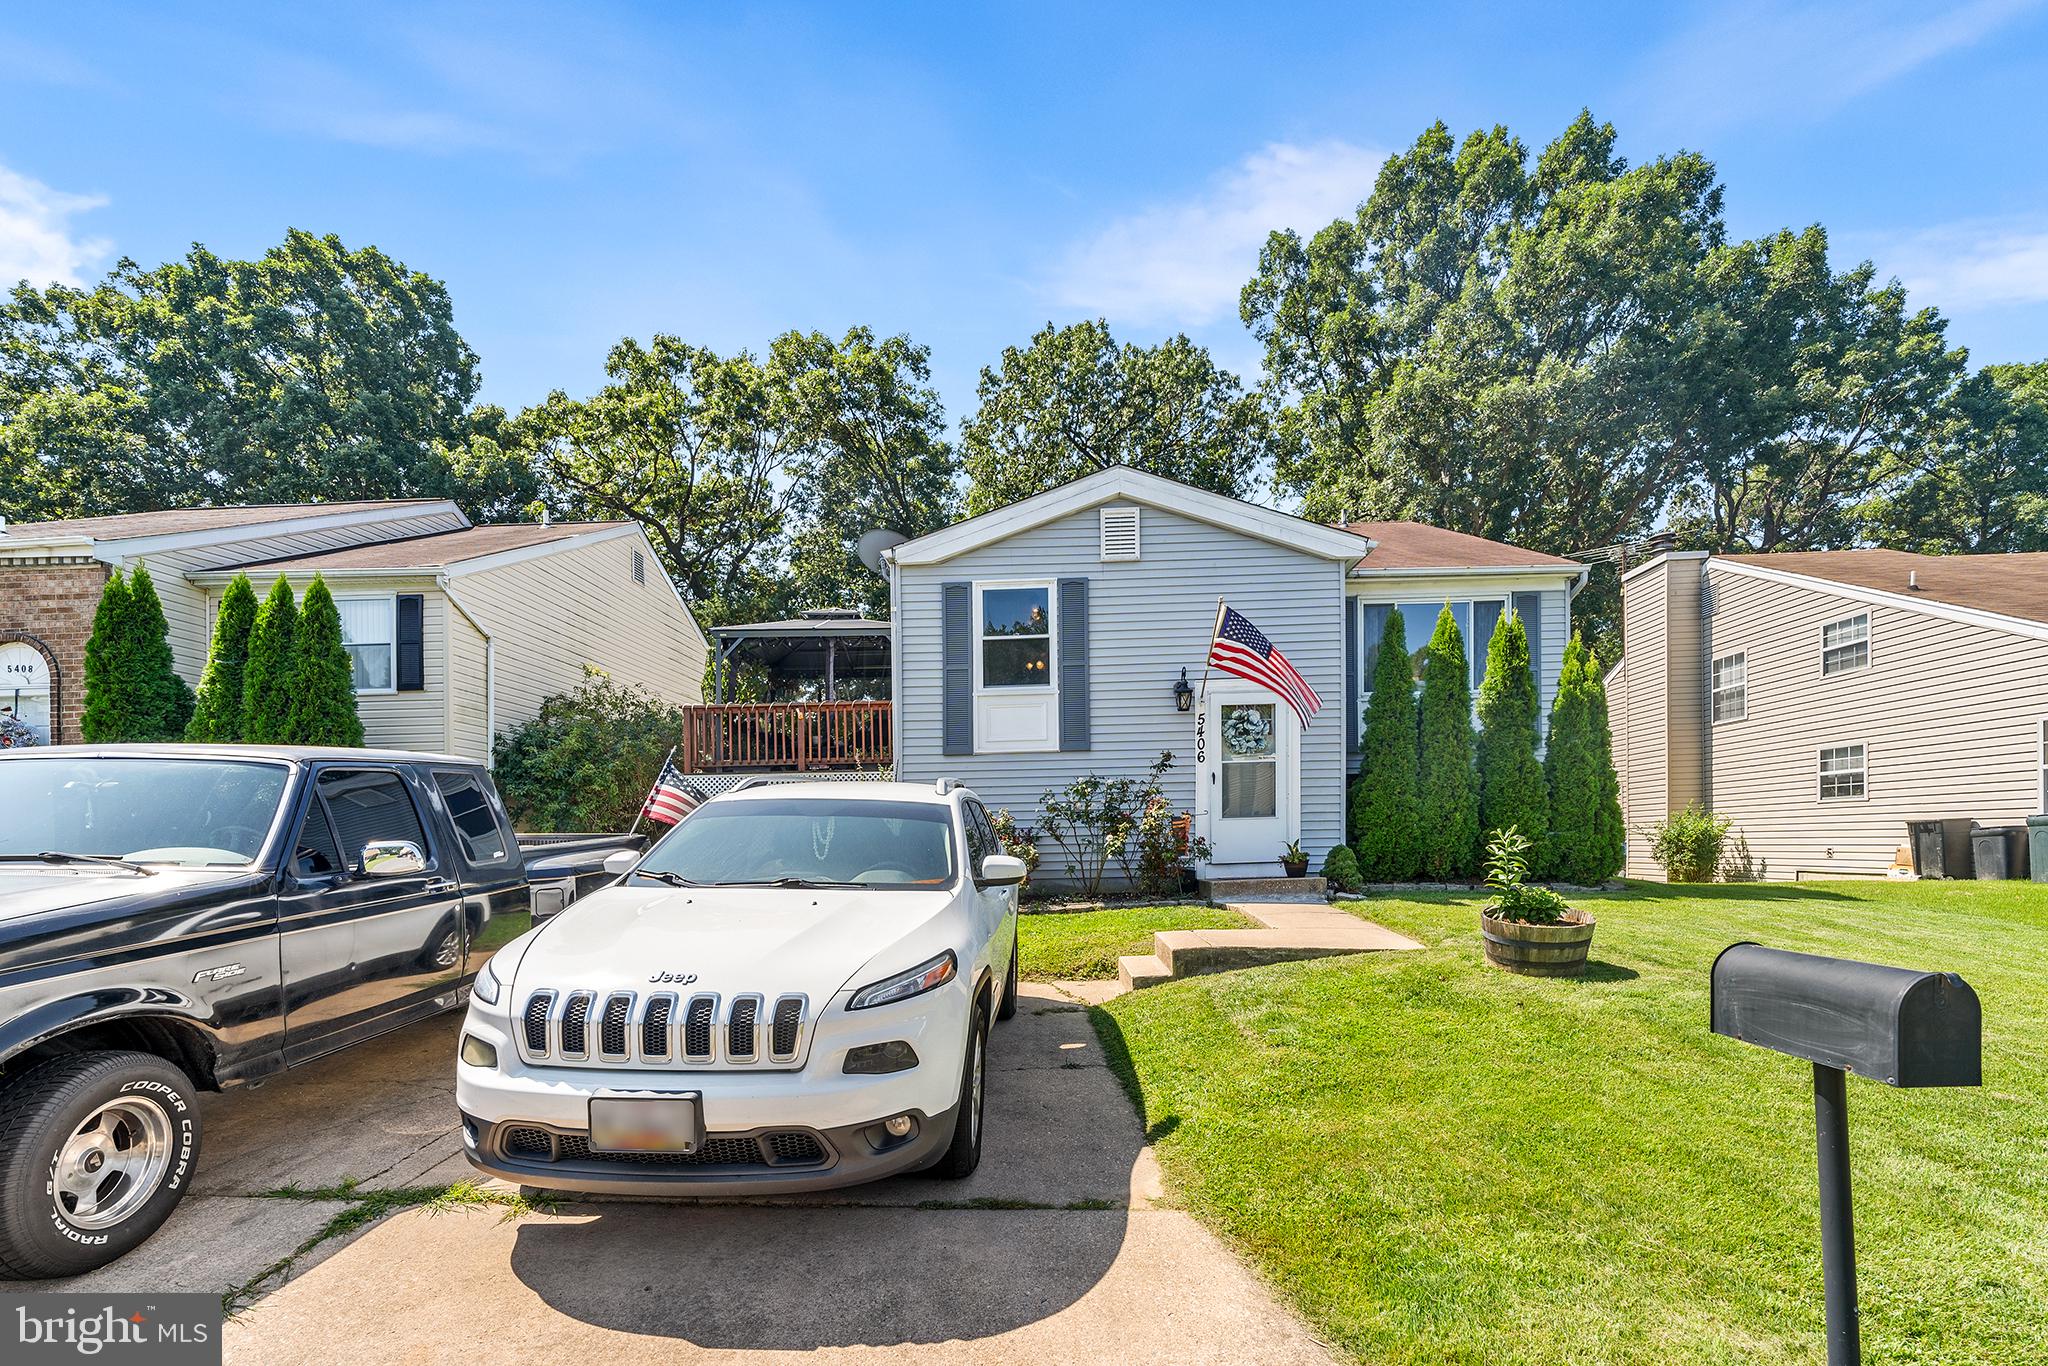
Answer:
(974, 1112)
(112, 1163)
(448, 950)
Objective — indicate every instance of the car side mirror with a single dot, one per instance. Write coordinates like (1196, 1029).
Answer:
(621, 863)
(393, 858)
(1002, 870)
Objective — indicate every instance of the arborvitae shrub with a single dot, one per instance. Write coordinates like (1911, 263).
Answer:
(1384, 815)
(217, 716)
(1449, 788)
(267, 677)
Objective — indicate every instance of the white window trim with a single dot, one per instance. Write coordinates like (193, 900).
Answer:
(1820, 755)
(1050, 691)
(391, 598)
(1742, 715)
(1869, 645)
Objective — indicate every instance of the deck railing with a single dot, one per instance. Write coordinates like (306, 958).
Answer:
(784, 737)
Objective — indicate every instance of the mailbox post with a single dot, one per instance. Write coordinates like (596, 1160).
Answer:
(1894, 1025)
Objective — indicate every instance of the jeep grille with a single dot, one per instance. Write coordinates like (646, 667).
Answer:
(626, 1029)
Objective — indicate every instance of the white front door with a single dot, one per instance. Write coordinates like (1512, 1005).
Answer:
(1248, 766)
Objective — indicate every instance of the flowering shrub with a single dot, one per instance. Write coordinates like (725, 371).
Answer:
(1018, 842)
(1165, 847)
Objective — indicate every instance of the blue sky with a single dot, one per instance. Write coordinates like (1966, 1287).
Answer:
(964, 173)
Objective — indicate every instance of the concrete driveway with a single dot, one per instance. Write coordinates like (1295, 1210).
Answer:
(1057, 1249)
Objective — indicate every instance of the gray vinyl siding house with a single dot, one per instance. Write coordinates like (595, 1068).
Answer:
(1127, 570)
(1822, 700)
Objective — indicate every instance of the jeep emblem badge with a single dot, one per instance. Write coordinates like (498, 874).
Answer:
(681, 979)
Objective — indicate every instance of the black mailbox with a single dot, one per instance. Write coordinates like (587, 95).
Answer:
(1892, 1025)
(1889, 1024)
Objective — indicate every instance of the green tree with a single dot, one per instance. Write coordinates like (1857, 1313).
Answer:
(691, 445)
(1983, 488)
(314, 372)
(1386, 815)
(586, 760)
(132, 688)
(267, 676)
(1449, 790)
(869, 451)
(1586, 830)
(217, 715)
(1074, 402)
(322, 706)
(1512, 793)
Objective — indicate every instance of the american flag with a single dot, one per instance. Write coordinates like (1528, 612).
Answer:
(1241, 648)
(672, 798)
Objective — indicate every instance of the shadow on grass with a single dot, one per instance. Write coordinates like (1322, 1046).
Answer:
(1598, 971)
(1729, 891)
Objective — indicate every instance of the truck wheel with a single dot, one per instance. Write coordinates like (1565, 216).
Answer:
(1008, 1007)
(96, 1149)
(963, 1155)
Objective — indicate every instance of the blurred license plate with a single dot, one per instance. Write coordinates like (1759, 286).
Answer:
(672, 1124)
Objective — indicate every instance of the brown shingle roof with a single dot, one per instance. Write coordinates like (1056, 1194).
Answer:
(436, 550)
(174, 521)
(2011, 585)
(1417, 545)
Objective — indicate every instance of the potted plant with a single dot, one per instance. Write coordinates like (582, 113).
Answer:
(1294, 860)
(1529, 930)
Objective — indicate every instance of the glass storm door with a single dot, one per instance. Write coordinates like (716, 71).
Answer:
(1248, 776)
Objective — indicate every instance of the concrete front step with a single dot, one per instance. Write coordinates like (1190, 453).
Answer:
(1141, 970)
(1222, 890)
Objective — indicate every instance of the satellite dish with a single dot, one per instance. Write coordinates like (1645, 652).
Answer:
(871, 546)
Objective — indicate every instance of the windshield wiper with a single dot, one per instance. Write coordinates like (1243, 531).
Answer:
(662, 875)
(57, 856)
(790, 881)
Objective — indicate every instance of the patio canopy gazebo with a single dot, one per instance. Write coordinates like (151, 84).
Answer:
(826, 647)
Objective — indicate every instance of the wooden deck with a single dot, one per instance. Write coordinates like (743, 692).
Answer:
(784, 737)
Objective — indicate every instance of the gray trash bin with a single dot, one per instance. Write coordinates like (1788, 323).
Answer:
(2037, 833)
(1940, 848)
(2000, 851)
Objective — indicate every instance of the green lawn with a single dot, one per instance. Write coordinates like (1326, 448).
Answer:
(1072, 944)
(1437, 1161)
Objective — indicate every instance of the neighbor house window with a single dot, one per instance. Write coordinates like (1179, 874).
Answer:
(1845, 645)
(1842, 772)
(1015, 667)
(369, 632)
(1729, 687)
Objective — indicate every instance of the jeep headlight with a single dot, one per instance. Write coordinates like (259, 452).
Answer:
(486, 987)
(933, 972)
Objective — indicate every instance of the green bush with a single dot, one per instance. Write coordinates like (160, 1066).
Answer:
(1340, 869)
(1384, 834)
(586, 761)
(267, 675)
(1512, 793)
(1507, 867)
(1449, 790)
(217, 715)
(1166, 847)
(1687, 843)
(132, 690)
(1586, 831)
(322, 708)
(1019, 843)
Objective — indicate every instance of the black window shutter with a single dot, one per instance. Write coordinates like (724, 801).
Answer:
(956, 644)
(1351, 675)
(1529, 607)
(412, 662)
(1074, 720)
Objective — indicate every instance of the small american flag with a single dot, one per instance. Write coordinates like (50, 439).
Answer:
(1241, 648)
(672, 797)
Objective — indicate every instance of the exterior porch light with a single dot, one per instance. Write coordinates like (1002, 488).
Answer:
(1183, 693)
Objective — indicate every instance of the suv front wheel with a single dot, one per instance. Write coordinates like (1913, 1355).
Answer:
(96, 1149)
(963, 1155)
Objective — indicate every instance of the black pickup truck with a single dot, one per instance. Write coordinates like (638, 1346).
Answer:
(177, 918)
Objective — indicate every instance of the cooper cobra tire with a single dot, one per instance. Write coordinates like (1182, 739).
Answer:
(96, 1150)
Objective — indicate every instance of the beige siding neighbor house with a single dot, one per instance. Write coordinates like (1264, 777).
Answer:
(457, 632)
(1824, 699)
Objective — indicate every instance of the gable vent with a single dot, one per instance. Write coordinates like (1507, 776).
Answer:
(1120, 533)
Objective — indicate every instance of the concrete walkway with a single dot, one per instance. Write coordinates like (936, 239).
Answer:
(1288, 930)
(1059, 1249)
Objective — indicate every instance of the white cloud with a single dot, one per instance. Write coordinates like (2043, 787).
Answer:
(37, 241)
(1752, 61)
(1989, 263)
(1182, 263)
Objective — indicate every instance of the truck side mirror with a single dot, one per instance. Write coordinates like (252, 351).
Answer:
(622, 862)
(393, 858)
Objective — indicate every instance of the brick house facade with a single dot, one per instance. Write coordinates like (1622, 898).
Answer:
(49, 604)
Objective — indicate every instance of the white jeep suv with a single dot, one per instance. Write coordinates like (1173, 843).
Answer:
(791, 991)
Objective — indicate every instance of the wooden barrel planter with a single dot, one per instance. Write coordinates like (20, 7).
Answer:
(1539, 950)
